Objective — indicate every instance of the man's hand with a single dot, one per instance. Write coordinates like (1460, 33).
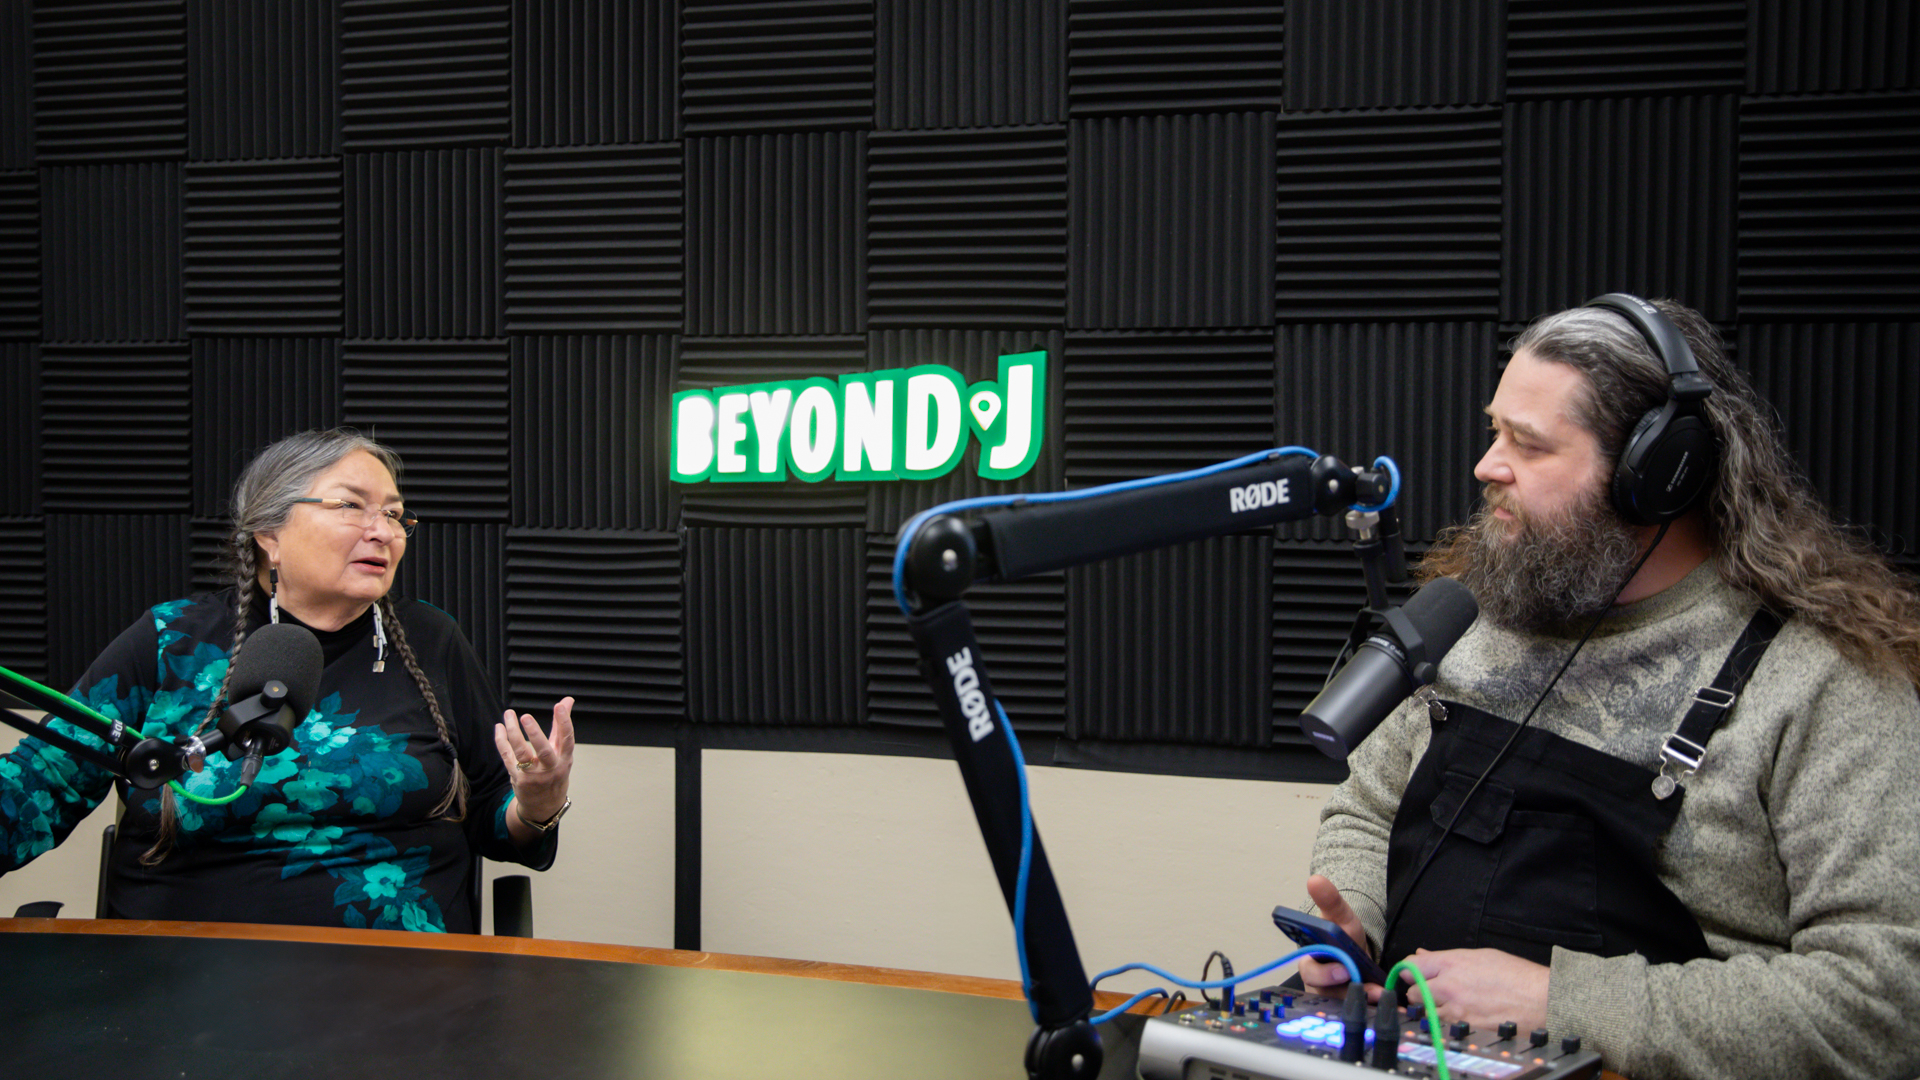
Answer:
(1482, 987)
(1322, 974)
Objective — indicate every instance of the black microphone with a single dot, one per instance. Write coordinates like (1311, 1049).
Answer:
(275, 679)
(1389, 666)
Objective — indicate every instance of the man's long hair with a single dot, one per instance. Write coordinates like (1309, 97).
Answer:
(1774, 538)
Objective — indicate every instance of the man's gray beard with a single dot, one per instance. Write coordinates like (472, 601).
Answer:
(1548, 573)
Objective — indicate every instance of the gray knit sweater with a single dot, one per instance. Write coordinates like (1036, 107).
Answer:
(1797, 848)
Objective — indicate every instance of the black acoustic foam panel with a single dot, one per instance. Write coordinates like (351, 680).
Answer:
(263, 80)
(764, 65)
(1171, 221)
(595, 72)
(16, 86)
(415, 75)
(1172, 645)
(1021, 627)
(23, 596)
(249, 392)
(706, 363)
(967, 228)
(776, 231)
(775, 625)
(1830, 207)
(590, 420)
(1619, 195)
(976, 355)
(103, 572)
(20, 428)
(443, 406)
(116, 423)
(207, 540)
(1559, 48)
(460, 568)
(423, 244)
(19, 254)
(1804, 46)
(969, 63)
(1847, 394)
(1147, 56)
(264, 247)
(594, 239)
(1358, 54)
(1412, 391)
(110, 80)
(599, 615)
(111, 252)
(1388, 214)
(1147, 404)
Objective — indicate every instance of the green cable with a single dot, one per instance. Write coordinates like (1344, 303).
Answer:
(1433, 1015)
(84, 708)
(221, 801)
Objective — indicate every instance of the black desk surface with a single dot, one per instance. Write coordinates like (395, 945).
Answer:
(81, 1005)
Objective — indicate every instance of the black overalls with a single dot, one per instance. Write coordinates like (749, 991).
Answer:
(1558, 845)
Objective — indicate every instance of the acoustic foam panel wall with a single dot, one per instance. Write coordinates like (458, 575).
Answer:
(1411, 391)
(1147, 404)
(264, 247)
(20, 428)
(1847, 394)
(775, 626)
(207, 540)
(443, 406)
(117, 425)
(19, 254)
(762, 65)
(423, 244)
(1021, 627)
(600, 615)
(1171, 221)
(709, 362)
(23, 596)
(590, 423)
(976, 355)
(1804, 46)
(1388, 214)
(595, 72)
(968, 63)
(967, 228)
(1630, 195)
(459, 569)
(1562, 48)
(16, 86)
(415, 75)
(776, 231)
(1317, 590)
(249, 392)
(110, 259)
(1172, 645)
(1135, 57)
(1830, 207)
(594, 239)
(263, 80)
(103, 572)
(110, 80)
(1359, 54)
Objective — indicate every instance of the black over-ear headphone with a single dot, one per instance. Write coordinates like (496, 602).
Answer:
(1672, 456)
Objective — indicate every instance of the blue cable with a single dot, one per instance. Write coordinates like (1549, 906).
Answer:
(1393, 491)
(1026, 862)
(1326, 951)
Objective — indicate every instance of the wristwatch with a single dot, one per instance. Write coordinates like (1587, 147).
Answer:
(547, 825)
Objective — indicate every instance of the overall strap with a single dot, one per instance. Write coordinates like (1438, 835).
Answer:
(1681, 755)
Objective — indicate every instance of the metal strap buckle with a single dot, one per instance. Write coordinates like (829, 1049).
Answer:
(1673, 755)
(1712, 695)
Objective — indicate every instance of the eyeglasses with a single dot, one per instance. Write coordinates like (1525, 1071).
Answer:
(364, 516)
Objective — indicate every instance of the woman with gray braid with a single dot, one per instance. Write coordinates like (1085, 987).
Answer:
(397, 775)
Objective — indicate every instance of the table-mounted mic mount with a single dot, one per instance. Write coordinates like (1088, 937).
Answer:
(941, 555)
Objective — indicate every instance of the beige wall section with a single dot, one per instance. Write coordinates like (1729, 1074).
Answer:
(877, 860)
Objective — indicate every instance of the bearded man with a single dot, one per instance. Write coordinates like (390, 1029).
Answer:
(1666, 797)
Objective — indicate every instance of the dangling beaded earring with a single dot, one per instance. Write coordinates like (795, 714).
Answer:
(273, 592)
(379, 641)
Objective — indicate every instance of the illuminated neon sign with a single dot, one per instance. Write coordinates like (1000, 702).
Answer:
(907, 424)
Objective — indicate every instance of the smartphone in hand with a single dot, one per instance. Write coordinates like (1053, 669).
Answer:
(1305, 929)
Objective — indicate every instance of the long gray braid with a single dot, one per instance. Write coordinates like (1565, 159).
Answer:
(453, 805)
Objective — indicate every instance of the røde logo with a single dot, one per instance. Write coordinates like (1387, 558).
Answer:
(966, 687)
(1255, 496)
